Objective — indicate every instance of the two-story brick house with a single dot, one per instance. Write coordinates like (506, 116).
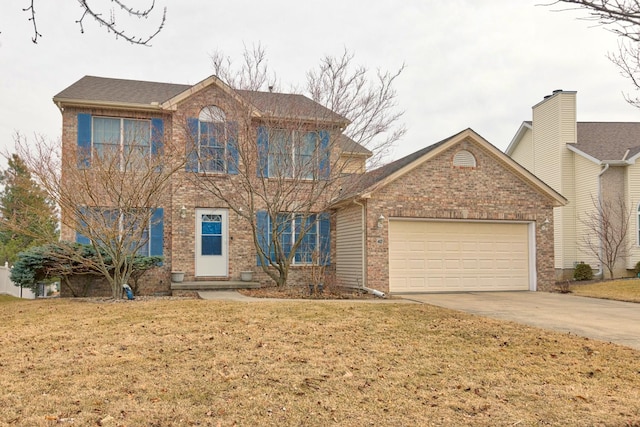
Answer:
(478, 216)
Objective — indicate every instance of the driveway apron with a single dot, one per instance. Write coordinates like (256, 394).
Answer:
(604, 320)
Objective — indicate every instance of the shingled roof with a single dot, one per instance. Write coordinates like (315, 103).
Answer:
(101, 90)
(608, 140)
(107, 90)
(360, 183)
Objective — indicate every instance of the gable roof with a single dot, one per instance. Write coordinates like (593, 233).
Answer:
(364, 185)
(606, 141)
(91, 90)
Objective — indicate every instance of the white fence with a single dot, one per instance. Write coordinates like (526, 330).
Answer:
(7, 286)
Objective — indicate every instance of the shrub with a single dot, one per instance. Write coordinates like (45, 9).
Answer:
(583, 272)
(636, 270)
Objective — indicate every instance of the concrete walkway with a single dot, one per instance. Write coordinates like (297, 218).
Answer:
(604, 320)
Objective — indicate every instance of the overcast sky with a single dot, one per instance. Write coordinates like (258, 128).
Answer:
(469, 63)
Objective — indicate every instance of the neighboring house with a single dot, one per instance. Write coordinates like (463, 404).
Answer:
(588, 163)
(456, 216)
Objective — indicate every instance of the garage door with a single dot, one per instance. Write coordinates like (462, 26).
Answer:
(438, 256)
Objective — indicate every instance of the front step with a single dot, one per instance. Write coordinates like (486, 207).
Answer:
(213, 285)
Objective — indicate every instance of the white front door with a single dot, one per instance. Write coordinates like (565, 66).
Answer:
(211, 242)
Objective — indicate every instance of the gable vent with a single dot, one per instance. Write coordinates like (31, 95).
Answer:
(464, 159)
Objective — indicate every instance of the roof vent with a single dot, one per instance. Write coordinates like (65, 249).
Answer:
(556, 91)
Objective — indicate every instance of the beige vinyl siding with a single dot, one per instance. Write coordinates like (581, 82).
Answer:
(554, 126)
(349, 250)
(523, 153)
(633, 200)
(586, 193)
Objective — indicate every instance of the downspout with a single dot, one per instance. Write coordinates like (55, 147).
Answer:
(363, 242)
(599, 274)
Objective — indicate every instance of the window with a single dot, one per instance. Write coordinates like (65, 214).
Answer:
(110, 226)
(311, 232)
(125, 140)
(122, 140)
(213, 145)
(285, 153)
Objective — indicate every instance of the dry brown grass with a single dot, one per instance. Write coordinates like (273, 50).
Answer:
(621, 290)
(212, 363)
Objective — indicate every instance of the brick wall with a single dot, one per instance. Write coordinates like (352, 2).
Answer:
(438, 190)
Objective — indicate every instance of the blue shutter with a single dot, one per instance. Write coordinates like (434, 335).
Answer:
(192, 145)
(232, 148)
(157, 136)
(262, 231)
(156, 236)
(84, 140)
(263, 152)
(325, 155)
(81, 238)
(325, 238)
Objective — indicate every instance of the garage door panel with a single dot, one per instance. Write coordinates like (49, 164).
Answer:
(458, 256)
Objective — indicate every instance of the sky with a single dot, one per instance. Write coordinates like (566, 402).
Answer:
(479, 64)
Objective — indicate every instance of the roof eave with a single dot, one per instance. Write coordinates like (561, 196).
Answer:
(559, 200)
(616, 162)
(83, 103)
(517, 137)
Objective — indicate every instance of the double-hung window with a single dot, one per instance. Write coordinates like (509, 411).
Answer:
(124, 140)
(293, 153)
(121, 142)
(287, 153)
(135, 228)
(212, 145)
(309, 234)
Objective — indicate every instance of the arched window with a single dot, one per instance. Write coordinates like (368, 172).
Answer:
(215, 142)
(464, 159)
(212, 114)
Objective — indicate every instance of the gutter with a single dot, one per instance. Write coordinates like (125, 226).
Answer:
(600, 272)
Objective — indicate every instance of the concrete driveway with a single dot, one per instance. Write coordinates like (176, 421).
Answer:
(604, 320)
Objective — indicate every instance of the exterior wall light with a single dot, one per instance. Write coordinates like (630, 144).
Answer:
(183, 212)
(381, 219)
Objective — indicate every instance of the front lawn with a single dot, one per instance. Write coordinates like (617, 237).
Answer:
(212, 363)
(621, 290)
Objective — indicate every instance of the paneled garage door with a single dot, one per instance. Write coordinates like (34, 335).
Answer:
(451, 256)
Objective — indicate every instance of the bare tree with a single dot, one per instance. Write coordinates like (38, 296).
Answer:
(107, 20)
(294, 158)
(622, 17)
(110, 195)
(369, 104)
(607, 228)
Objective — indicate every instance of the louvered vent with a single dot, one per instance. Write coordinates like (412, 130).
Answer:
(464, 159)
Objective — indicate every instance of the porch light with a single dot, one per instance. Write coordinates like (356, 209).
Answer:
(183, 212)
(381, 219)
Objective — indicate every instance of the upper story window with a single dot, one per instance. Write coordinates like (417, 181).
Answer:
(213, 146)
(285, 153)
(465, 159)
(122, 140)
